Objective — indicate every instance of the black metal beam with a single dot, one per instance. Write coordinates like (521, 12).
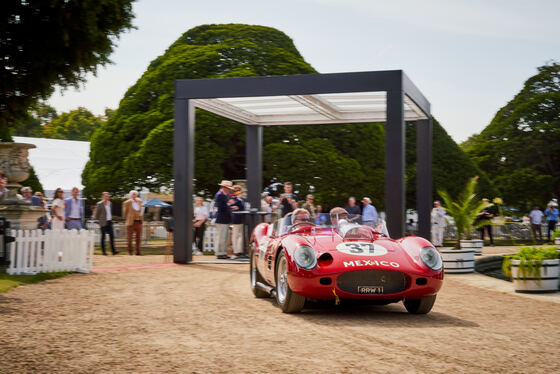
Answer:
(183, 168)
(415, 95)
(305, 84)
(253, 161)
(395, 164)
(424, 176)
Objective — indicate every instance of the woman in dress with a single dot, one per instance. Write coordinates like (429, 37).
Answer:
(58, 210)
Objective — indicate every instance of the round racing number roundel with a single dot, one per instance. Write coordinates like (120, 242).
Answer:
(361, 249)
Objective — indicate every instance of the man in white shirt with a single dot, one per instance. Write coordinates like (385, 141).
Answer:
(369, 213)
(74, 211)
(199, 223)
(103, 214)
(438, 224)
(266, 206)
(536, 217)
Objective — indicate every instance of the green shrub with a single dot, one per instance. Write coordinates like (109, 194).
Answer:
(531, 260)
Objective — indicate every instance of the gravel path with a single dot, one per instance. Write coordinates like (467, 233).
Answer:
(202, 318)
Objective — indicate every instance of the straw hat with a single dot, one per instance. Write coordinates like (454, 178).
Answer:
(226, 184)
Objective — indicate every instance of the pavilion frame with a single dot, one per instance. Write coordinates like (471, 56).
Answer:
(394, 82)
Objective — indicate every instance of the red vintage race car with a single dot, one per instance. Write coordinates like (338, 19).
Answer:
(296, 261)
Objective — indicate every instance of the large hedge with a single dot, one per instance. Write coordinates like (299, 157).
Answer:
(134, 147)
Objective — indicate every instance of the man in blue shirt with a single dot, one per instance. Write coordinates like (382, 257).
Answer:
(223, 218)
(369, 213)
(551, 214)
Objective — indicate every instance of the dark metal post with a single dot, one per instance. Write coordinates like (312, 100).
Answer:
(253, 161)
(183, 160)
(394, 163)
(424, 176)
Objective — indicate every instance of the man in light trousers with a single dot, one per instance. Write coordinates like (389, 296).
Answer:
(223, 218)
(438, 224)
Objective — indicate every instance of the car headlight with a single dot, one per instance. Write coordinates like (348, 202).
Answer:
(305, 257)
(431, 258)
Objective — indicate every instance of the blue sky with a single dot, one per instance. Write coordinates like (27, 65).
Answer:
(469, 58)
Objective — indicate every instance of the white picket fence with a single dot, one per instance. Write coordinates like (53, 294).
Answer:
(34, 251)
(209, 239)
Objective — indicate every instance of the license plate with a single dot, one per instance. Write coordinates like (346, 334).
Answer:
(370, 290)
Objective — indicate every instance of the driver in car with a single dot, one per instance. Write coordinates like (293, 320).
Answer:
(337, 214)
(301, 218)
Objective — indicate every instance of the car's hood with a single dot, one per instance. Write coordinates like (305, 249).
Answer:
(382, 253)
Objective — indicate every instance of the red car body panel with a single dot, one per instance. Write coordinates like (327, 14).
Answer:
(321, 282)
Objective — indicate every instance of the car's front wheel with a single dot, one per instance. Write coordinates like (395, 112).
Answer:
(420, 306)
(288, 301)
(256, 277)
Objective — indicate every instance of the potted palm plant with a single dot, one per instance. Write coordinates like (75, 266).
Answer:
(464, 211)
(533, 269)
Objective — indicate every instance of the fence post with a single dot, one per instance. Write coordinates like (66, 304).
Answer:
(13, 251)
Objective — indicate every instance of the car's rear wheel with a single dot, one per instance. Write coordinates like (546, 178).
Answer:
(256, 277)
(288, 301)
(420, 306)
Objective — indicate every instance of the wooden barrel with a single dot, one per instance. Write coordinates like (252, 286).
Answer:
(548, 280)
(475, 245)
(458, 260)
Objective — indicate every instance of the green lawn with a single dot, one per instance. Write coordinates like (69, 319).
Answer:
(7, 281)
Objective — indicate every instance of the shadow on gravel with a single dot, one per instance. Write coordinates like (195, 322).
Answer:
(221, 269)
(11, 301)
(392, 315)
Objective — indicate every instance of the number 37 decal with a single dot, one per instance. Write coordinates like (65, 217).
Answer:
(361, 249)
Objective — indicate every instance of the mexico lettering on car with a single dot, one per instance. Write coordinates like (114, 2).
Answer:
(361, 263)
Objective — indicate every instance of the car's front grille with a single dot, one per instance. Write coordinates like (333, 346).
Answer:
(371, 282)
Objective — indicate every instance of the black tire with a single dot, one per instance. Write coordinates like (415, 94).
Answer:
(255, 277)
(288, 301)
(420, 306)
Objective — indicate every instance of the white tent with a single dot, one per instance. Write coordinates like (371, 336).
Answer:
(58, 163)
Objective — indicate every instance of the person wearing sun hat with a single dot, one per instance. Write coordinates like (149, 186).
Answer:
(223, 218)
(369, 213)
(237, 222)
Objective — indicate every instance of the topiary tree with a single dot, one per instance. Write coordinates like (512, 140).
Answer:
(33, 181)
(134, 148)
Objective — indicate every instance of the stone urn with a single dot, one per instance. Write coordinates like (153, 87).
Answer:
(14, 164)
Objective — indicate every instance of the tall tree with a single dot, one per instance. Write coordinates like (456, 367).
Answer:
(39, 114)
(78, 124)
(48, 43)
(520, 148)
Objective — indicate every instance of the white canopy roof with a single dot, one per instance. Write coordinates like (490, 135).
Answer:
(349, 107)
(57, 163)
